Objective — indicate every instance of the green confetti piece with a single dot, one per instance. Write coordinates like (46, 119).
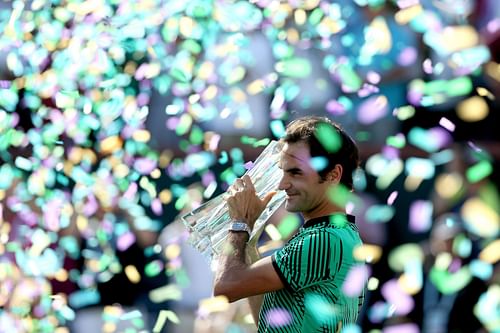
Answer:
(288, 225)
(397, 141)
(379, 213)
(85, 297)
(8, 99)
(165, 293)
(163, 316)
(349, 78)
(420, 138)
(479, 171)
(420, 167)
(399, 258)
(329, 138)
(153, 268)
(223, 157)
(294, 67)
(277, 128)
(462, 246)
(481, 269)
(262, 142)
(316, 16)
(228, 176)
(196, 136)
(180, 75)
(449, 283)
(460, 86)
(236, 75)
(192, 46)
(282, 50)
(319, 163)
(247, 140)
(236, 154)
(239, 169)
(185, 123)
(442, 157)
(23, 163)
(320, 308)
(341, 195)
(346, 102)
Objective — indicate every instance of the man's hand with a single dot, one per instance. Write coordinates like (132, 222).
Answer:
(243, 202)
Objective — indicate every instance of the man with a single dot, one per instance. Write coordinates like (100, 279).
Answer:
(298, 288)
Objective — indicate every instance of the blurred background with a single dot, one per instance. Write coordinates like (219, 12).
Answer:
(118, 117)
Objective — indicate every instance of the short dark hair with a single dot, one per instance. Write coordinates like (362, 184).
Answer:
(345, 152)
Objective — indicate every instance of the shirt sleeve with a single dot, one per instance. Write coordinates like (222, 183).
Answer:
(309, 259)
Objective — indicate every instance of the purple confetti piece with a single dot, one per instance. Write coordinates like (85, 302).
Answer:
(144, 165)
(356, 280)
(157, 207)
(248, 165)
(440, 137)
(420, 216)
(51, 214)
(372, 109)
(402, 328)
(130, 192)
(392, 292)
(278, 317)
(408, 56)
(90, 206)
(125, 241)
(335, 108)
(172, 123)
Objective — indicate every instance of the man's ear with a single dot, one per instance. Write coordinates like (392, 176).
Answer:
(335, 175)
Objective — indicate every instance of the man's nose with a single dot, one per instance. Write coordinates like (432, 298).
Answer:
(283, 184)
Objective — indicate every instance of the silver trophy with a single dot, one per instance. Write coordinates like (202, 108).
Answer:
(208, 224)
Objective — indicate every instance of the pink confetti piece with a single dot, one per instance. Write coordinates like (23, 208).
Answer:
(446, 123)
(392, 198)
(427, 66)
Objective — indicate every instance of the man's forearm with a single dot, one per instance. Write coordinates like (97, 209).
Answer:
(231, 264)
(255, 302)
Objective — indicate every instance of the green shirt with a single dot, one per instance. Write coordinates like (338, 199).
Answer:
(313, 266)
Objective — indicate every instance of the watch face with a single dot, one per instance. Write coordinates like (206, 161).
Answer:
(239, 226)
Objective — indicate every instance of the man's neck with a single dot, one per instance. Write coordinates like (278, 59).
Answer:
(323, 212)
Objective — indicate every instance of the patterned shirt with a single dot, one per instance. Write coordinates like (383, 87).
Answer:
(313, 265)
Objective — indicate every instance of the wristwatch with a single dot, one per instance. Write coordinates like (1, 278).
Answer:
(240, 226)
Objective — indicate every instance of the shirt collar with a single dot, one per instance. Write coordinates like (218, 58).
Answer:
(317, 220)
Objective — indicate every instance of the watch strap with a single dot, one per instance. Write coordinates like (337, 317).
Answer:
(238, 226)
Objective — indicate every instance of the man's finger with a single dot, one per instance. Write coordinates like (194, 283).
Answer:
(248, 183)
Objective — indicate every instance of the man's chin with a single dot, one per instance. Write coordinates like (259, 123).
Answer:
(291, 207)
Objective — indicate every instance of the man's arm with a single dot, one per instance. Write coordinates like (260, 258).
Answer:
(236, 279)
(255, 302)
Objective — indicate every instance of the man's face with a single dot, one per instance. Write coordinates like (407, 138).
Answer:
(305, 192)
